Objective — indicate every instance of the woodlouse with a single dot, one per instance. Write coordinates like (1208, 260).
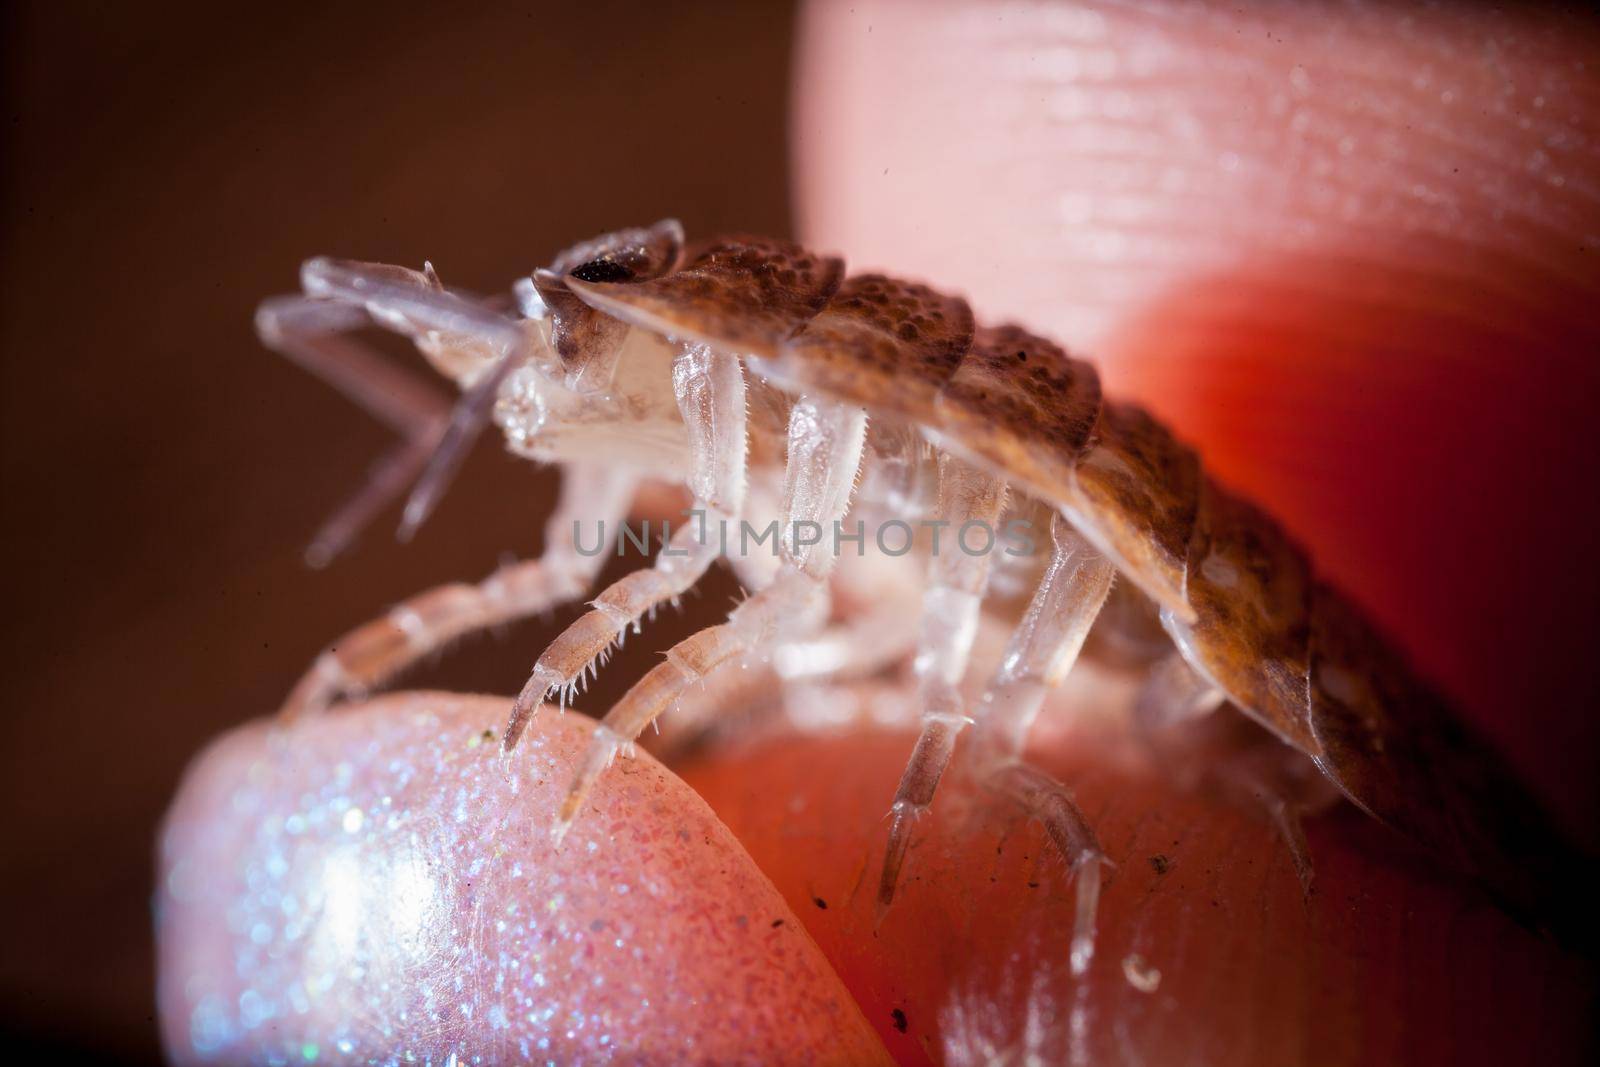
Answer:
(775, 360)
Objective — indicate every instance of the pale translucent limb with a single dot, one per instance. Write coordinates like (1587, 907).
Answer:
(1286, 820)
(368, 655)
(710, 388)
(1045, 645)
(824, 454)
(1047, 800)
(785, 604)
(854, 648)
(311, 333)
(1174, 693)
(957, 577)
(1041, 653)
(1261, 775)
(1282, 784)
(1037, 658)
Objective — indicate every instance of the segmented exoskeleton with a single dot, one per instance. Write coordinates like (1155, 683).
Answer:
(746, 362)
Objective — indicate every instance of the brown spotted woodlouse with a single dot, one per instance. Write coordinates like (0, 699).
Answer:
(761, 378)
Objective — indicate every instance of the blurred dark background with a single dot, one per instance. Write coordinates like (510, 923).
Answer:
(162, 471)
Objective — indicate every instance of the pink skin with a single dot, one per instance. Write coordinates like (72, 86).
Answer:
(378, 883)
(1207, 950)
(1349, 251)
(1350, 254)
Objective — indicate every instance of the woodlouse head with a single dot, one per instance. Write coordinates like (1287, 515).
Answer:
(595, 387)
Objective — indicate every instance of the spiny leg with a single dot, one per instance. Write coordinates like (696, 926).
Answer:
(375, 651)
(825, 445)
(1039, 656)
(709, 384)
(1049, 801)
(950, 608)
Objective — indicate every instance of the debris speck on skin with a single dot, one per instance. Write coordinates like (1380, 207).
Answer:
(899, 1020)
(819, 902)
(1160, 863)
(1137, 970)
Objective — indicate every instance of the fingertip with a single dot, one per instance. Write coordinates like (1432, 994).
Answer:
(373, 888)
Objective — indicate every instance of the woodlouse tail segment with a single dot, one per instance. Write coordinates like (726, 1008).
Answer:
(1282, 786)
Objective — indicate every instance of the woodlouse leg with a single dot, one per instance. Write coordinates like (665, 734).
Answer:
(1047, 800)
(825, 446)
(1284, 786)
(375, 651)
(1044, 646)
(850, 649)
(1269, 779)
(950, 606)
(1039, 655)
(1175, 693)
(311, 333)
(709, 384)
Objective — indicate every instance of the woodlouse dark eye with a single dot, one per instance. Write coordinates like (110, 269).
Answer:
(602, 270)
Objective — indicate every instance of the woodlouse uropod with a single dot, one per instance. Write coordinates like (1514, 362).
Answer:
(746, 361)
